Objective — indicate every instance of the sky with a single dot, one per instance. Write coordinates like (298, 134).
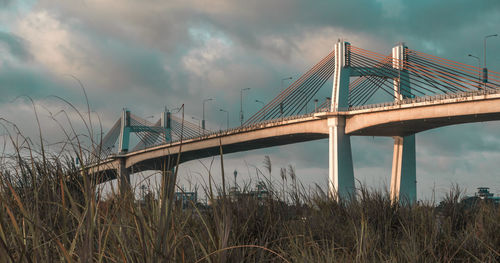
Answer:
(147, 55)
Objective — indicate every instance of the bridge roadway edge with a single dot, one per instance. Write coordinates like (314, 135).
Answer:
(247, 138)
(407, 119)
(392, 120)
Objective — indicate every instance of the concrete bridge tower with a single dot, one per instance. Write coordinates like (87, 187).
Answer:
(166, 123)
(403, 175)
(340, 171)
(124, 132)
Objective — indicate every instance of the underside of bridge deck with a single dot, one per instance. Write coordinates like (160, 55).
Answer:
(159, 162)
(408, 127)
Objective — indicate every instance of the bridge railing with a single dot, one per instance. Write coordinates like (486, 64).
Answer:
(253, 126)
(263, 124)
(241, 128)
(426, 98)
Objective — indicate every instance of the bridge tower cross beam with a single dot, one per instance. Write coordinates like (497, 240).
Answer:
(166, 123)
(124, 132)
(340, 171)
(403, 176)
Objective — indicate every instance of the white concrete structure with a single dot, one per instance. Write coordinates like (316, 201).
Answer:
(404, 170)
(400, 119)
(394, 119)
(340, 171)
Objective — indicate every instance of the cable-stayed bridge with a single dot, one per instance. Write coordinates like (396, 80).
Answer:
(373, 94)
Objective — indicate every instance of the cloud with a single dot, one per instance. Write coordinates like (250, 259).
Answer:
(51, 43)
(148, 54)
(23, 81)
(15, 46)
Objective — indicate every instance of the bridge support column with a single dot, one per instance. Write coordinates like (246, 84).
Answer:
(404, 173)
(341, 172)
(123, 177)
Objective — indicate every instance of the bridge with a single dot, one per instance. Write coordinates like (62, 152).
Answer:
(415, 92)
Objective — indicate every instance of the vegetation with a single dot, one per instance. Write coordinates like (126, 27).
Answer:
(50, 212)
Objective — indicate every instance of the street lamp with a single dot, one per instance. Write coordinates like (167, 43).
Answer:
(485, 70)
(241, 105)
(261, 102)
(478, 67)
(227, 118)
(484, 50)
(235, 175)
(203, 120)
(281, 103)
(199, 124)
(287, 78)
(263, 106)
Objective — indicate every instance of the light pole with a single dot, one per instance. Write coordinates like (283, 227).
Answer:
(199, 124)
(263, 105)
(478, 67)
(485, 70)
(235, 175)
(281, 103)
(241, 105)
(484, 50)
(203, 120)
(227, 118)
(283, 79)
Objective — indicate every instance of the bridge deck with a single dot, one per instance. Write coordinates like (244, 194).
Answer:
(389, 119)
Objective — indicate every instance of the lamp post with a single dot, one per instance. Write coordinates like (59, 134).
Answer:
(227, 118)
(261, 102)
(281, 103)
(485, 70)
(235, 175)
(199, 124)
(241, 105)
(203, 120)
(484, 50)
(283, 79)
(478, 67)
(263, 105)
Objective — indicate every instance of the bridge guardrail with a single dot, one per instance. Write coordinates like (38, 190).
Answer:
(327, 108)
(426, 98)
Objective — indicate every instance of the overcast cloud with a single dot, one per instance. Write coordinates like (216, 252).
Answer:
(145, 55)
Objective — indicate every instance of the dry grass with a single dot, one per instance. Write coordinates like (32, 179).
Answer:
(49, 213)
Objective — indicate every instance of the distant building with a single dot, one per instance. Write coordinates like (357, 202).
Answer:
(259, 192)
(186, 199)
(483, 193)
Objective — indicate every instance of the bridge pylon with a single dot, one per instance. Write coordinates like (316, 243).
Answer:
(124, 132)
(340, 171)
(166, 123)
(403, 175)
